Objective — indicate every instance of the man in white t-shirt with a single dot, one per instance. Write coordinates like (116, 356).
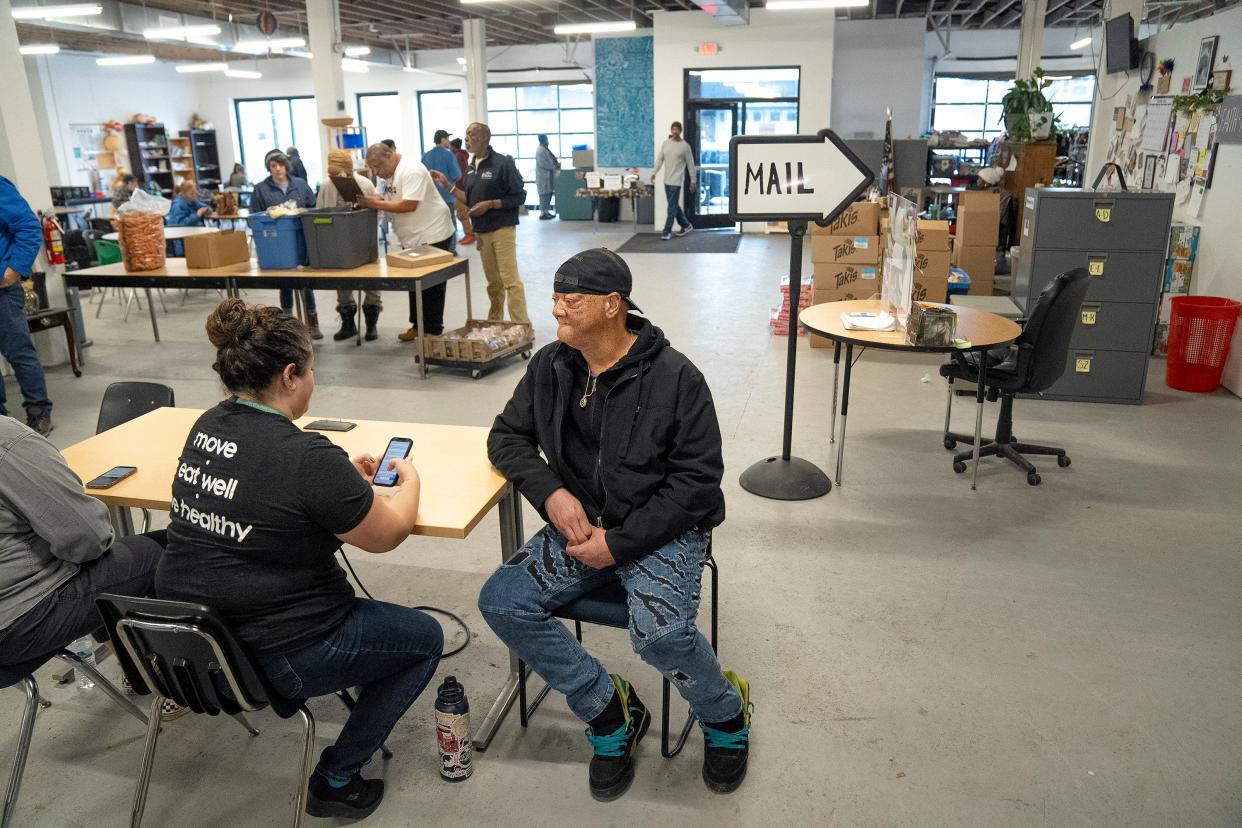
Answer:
(419, 216)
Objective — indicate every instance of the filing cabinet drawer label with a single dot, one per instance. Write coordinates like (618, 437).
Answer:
(1104, 211)
(1082, 364)
(1089, 315)
(1095, 265)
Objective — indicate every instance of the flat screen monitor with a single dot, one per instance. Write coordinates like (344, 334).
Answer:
(1119, 51)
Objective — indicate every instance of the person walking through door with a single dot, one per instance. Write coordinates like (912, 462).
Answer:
(676, 158)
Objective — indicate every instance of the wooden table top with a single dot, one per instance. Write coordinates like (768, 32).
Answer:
(459, 484)
(982, 329)
(171, 233)
(176, 267)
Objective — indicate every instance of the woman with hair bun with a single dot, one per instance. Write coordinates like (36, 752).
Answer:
(259, 509)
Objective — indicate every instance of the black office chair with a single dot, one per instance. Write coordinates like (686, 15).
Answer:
(608, 607)
(1031, 365)
(186, 652)
(23, 675)
(125, 401)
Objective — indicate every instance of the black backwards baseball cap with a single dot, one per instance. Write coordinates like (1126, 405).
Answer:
(598, 272)
(440, 135)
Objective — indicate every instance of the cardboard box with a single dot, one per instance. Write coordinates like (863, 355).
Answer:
(421, 256)
(862, 218)
(978, 219)
(931, 264)
(933, 236)
(584, 159)
(216, 250)
(839, 250)
(836, 278)
(982, 287)
(930, 288)
(978, 262)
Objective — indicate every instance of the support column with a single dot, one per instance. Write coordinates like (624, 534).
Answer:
(474, 33)
(22, 162)
(323, 22)
(1031, 37)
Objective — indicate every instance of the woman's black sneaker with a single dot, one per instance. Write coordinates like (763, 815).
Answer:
(357, 800)
(725, 752)
(612, 766)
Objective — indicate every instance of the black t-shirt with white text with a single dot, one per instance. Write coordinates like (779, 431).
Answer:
(257, 506)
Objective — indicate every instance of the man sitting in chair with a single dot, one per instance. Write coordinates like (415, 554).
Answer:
(629, 484)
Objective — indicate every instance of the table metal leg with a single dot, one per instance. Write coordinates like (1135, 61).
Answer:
(836, 371)
(845, 408)
(299, 307)
(983, 379)
(155, 326)
(418, 318)
(510, 541)
(122, 523)
(358, 312)
(465, 277)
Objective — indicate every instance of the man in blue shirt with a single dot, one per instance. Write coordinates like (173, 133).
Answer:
(441, 158)
(187, 209)
(21, 236)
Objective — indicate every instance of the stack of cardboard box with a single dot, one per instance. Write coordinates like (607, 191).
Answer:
(779, 323)
(931, 261)
(846, 257)
(978, 233)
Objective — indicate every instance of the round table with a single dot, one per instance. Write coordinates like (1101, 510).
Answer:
(171, 233)
(980, 329)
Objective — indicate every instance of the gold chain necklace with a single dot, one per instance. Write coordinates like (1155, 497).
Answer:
(592, 382)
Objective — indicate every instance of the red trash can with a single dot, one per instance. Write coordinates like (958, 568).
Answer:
(1200, 331)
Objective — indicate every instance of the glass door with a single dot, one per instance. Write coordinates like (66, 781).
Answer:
(709, 128)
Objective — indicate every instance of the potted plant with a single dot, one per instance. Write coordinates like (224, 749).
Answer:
(1027, 113)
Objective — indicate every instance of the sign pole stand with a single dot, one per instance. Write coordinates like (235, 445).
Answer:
(787, 477)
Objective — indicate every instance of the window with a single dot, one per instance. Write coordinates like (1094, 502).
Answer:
(972, 106)
(519, 114)
(441, 110)
(264, 124)
(379, 113)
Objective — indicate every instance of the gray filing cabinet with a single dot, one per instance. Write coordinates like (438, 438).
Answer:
(1120, 238)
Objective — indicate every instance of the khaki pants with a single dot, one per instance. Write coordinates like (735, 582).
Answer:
(371, 298)
(498, 250)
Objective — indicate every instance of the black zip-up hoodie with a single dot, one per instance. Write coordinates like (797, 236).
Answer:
(660, 461)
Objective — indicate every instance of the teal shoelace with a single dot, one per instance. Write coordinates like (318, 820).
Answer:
(610, 744)
(724, 740)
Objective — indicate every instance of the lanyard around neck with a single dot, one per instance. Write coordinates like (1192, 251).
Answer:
(262, 407)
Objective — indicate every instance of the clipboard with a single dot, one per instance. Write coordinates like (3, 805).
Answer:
(347, 187)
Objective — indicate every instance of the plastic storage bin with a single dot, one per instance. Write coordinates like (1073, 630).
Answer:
(279, 243)
(341, 237)
(1200, 331)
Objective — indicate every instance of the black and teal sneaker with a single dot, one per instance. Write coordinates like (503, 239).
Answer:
(725, 752)
(612, 766)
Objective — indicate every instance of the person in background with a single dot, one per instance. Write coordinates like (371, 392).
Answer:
(463, 213)
(546, 168)
(58, 553)
(341, 163)
(441, 159)
(238, 176)
(612, 435)
(419, 216)
(494, 192)
(187, 209)
(123, 189)
(281, 186)
(21, 236)
(296, 167)
(269, 567)
(675, 157)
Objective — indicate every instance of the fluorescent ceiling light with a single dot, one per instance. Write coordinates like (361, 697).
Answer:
(1081, 44)
(242, 73)
(49, 12)
(792, 5)
(128, 60)
(357, 51)
(39, 49)
(181, 32)
(261, 46)
(357, 66)
(189, 68)
(593, 28)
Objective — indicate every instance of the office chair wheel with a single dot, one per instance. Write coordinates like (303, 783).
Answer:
(950, 443)
(1063, 460)
(959, 467)
(1033, 479)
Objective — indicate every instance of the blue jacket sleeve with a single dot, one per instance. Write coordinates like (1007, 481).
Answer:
(184, 213)
(21, 230)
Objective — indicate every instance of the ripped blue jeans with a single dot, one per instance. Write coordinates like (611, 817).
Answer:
(663, 589)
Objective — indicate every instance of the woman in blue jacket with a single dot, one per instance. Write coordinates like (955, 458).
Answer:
(21, 236)
(276, 189)
(187, 209)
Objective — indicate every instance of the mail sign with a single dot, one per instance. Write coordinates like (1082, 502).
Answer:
(782, 177)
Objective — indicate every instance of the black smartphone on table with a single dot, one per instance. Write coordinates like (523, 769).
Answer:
(111, 477)
(398, 449)
(330, 425)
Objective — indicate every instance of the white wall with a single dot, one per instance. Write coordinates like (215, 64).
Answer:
(878, 64)
(803, 39)
(1217, 270)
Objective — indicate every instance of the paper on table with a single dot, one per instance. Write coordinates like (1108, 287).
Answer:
(868, 321)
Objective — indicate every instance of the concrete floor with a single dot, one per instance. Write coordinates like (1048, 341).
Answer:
(919, 654)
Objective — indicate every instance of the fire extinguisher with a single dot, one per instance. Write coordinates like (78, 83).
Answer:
(53, 240)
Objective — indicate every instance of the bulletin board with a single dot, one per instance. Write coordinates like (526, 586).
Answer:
(624, 102)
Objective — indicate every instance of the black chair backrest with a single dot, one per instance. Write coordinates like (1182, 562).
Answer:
(187, 653)
(102, 225)
(123, 401)
(1045, 340)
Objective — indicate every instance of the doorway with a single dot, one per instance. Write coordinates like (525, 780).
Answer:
(721, 103)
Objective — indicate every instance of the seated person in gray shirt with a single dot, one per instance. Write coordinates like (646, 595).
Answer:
(57, 550)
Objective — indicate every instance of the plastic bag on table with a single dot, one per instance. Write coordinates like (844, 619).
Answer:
(143, 202)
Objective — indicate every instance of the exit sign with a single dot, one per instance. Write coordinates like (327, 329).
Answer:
(708, 49)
